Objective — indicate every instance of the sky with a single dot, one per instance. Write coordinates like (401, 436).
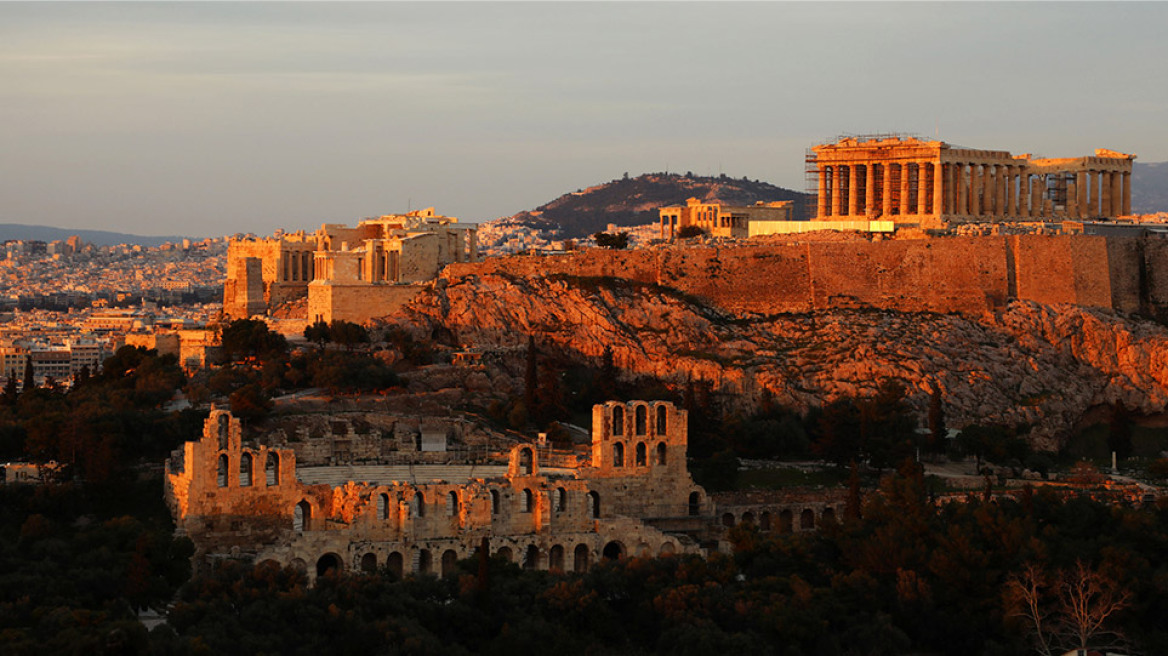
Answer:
(206, 119)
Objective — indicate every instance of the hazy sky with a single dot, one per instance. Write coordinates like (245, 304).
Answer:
(211, 118)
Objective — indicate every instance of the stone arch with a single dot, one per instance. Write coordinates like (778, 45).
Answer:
(641, 456)
(594, 504)
(245, 470)
(640, 419)
(667, 549)
(369, 563)
(614, 550)
(425, 562)
(828, 515)
(660, 459)
(764, 521)
(580, 558)
(526, 501)
(452, 504)
(728, 519)
(419, 504)
(807, 519)
(618, 454)
(383, 506)
(302, 516)
(526, 458)
(504, 553)
(556, 558)
(449, 563)
(395, 564)
(695, 503)
(662, 421)
(330, 563)
(268, 564)
(272, 469)
(748, 518)
(618, 420)
(786, 521)
(561, 499)
(531, 557)
(494, 502)
(221, 471)
(224, 429)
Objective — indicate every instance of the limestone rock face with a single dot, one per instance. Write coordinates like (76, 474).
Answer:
(1029, 364)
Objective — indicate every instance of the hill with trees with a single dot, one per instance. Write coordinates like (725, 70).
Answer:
(630, 201)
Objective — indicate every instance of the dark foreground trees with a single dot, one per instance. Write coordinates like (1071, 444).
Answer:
(907, 578)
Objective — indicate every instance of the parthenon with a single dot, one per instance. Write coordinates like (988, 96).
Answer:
(933, 183)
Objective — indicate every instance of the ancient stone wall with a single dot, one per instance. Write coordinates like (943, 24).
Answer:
(235, 499)
(358, 302)
(967, 275)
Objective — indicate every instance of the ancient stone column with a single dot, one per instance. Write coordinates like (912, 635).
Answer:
(886, 176)
(1073, 198)
(1036, 187)
(989, 200)
(870, 188)
(1011, 193)
(924, 186)
(1092, 195)
(1125, 206)
(1105, 194)
(1116, 194)
(975, 189)
(938, 189)
(837, 176)
(853, 190)
(821, 212)
(902, 202)
(1081, 209)
(961, 189)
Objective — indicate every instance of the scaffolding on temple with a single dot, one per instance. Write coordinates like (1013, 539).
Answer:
(811, 172)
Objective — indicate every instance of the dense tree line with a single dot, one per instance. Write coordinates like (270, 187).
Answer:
(902, 577)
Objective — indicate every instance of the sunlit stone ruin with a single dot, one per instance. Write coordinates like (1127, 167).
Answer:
(630, 495)
(345, 273)
(723, 220)
(932, 183)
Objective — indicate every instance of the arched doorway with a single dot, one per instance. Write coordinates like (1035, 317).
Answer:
(786, 522)
(425, 562)
(728, 519)
(449, 563)
(504, 553)
(580, 558)
(807, 520)
(394, 564)
(556, 558)
(531, 557)
(330, 563)
(613, 551)
(369, 563)
(695, 504)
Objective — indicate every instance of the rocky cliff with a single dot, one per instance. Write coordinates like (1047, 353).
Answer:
(1026, 363)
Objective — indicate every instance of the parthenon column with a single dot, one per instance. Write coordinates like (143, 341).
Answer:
(821, 212)
(870, 189)
(1072, 198)
(886, 202)
(1036, 185)
(853, 190)
(1116, 194)
(923, 188)
(975, 179)
(1092, 194)
(1125, 206)
(1105, 194)
(961, 189)
(837, 176)
(1081, 209)
(991, 191)
(902, 201)
(938, 189)
(1011, 194)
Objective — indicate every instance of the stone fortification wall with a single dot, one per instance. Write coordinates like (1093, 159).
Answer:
(357, 302)
(966, 275)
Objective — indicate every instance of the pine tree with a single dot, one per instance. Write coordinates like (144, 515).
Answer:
(29, 383)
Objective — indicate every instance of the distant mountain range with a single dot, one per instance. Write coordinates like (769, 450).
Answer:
(634, 201)
(95, 237)
(1149, 187)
